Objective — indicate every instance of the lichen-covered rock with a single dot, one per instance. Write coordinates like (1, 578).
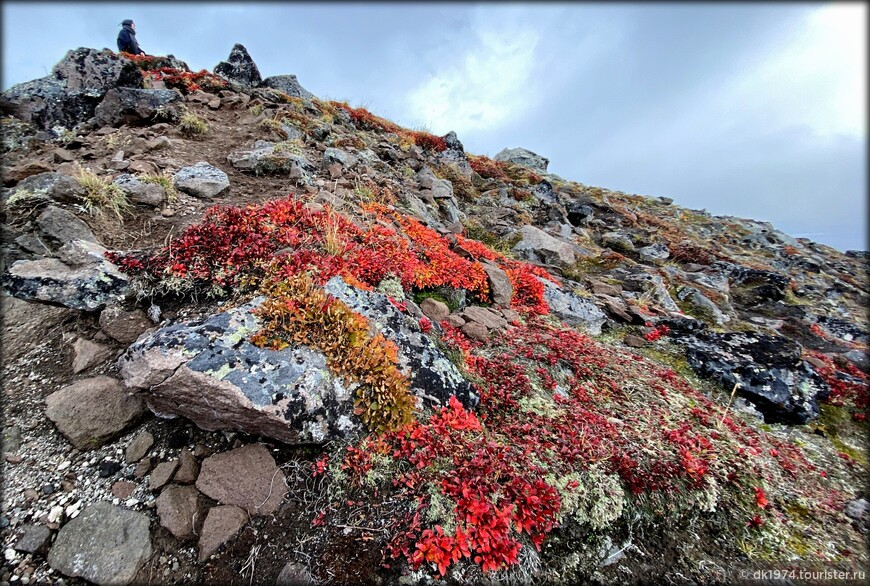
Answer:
(136, 107)
(573, 310)
(239, 67)
(201, 180)
(86, 68)
(433, 377)
(265, 158)
(46, 187)
(208, 372)
(287, 84)
(654, 253)
(701, 306)
(768, 370)
(81, 278)
(333, 155)
(46, 103)
(524, 157)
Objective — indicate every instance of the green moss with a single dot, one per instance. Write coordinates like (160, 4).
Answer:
(420, 296)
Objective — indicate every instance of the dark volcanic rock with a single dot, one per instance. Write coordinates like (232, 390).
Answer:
(287, 84)
(135, 107)
(85, 68)
(239, 67)
(81, 278)
(105, 544)
(769, 370)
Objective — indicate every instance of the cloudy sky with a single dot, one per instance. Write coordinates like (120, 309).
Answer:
(751, 110)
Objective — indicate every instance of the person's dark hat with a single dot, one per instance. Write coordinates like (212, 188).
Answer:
(127, 22)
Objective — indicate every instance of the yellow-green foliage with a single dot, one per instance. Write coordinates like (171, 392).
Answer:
(192, 125)
(298, 311)
(163, 181)
(594, 496)
(101, 194)
(256, 109)
(462, 185)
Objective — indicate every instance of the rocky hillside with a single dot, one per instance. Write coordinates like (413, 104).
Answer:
(253, 336)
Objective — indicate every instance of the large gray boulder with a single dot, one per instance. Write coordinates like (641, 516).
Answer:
(768, 370)
(572, 309)
(239, 67)
(265, 158)
(71, 93)
(137, 107)
(524, 157)
(538, 246)
(46, 187)
(287, 84)
(201, 180)
(105, 544)
(81, 278)
(208, 372)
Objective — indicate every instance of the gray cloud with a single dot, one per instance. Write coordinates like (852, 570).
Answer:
(747, 110)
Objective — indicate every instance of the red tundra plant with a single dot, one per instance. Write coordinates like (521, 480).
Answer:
(850, 387)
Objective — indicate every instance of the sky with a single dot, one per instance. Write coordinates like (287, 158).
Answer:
(752, 110)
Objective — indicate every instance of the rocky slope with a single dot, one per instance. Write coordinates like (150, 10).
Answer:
(254, 336)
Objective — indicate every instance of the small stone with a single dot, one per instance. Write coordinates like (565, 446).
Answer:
(435, 310)
(221, 524)
(246, 477)
(167, 212)
(109, 468)
(139, 447)
(31, 494)
(123, 489)
(178, 508)
(143, 468)
(634, 341)
(293, 574)
(162, 474)
(188, 468)
(123, 326)
(475, 331)
(55, 514)
(14, 458)
(201, 451)
(455, 320)
(48, 488)
(35, 539)
(86, 354)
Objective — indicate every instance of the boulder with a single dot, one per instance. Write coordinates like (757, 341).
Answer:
(140, 192)
(93, 411)
(572, 309)
(436, 188)
(201, 180)
(82, 278)
(239, 67)
(246, 477)
(287, 84)
(47, 104)
(46, 187)
(136, 107)
(701, 306)
(105, 544)
(488, 318)
(769, 372)
(179, 509)
(620, 241)
(91, 69)
(207, 371)
(526, 158)
(265, 158)
(60, 226)
(536, 245)
(222, 523)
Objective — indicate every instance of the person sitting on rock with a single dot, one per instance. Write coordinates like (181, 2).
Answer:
(127, 39)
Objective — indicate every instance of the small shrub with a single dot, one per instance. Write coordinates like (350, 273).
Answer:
(101, 194)
(256, 109)
(192, 125)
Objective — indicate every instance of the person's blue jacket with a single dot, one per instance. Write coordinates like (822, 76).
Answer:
(127, 39)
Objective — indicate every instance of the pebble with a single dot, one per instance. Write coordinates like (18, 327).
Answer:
(64, 465)
(9, 554)
(54, 514)
(47, 488)
(73, 508)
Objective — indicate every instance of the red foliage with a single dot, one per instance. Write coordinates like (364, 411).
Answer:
(848, 384)
(187, 81)
(487, 168)
(657, 333)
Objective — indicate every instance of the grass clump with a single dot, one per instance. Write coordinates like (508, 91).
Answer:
(192, 125)
(163, 181)
(101, 194)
